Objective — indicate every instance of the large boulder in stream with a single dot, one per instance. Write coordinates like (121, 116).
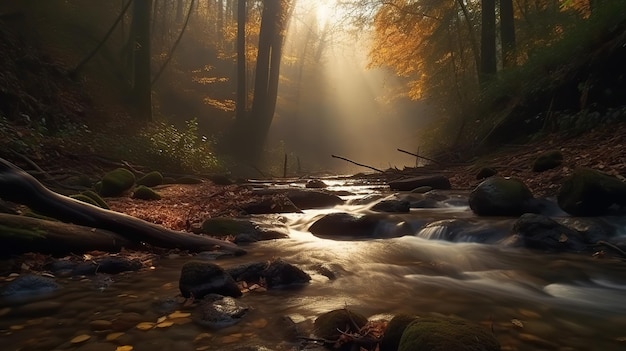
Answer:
(244, 230)
(588, 192)
(276, 274)
(198, 279)
(498, 196)
(543, 233)
(341, 224)
(445, 334)
(408, 184)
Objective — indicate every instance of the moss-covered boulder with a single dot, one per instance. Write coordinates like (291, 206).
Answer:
(117, 182)
(486, 172)
(244, 230)
(328, 325)
(95, 197)
(84, 198)
(142, 192)
(198, 279)
(548, 160)
(151, 179)
(446, 334)
(498, 196)
(588, 192)
(394, 331)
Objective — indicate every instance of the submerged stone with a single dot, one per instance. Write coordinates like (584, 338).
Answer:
(216, 311)
(198, 279)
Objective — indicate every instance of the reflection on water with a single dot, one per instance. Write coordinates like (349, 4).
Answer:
(531, 300)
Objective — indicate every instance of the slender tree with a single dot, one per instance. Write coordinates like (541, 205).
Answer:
(142, 93)
(488, 61)
(507, 33)
(242, 92)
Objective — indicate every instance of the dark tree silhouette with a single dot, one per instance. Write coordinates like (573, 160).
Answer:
(488, 41)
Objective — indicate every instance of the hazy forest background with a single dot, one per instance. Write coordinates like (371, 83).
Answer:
(225, 85)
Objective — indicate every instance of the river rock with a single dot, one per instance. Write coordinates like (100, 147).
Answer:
(588, 192)
(151, 179)
(315, 184)
(498, 196)
(392, 206)
(543, 233)
(446, 334)
(308, 199)
(276, 273)
(271, 204)
(216, 311)
(548, 160)
(198, 279)
(117, 182)
(107, 265)
(345, 224)
(408, 184)
(28, 286)
(328, 325)
(393, 332)
(244, 230)
(486, 172)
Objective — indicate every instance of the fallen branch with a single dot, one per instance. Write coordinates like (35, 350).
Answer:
(20, 187)
(356, 163)
(418, 156)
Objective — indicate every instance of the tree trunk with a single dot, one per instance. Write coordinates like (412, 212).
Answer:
(271, 37)
(242, 90)
(488, 41)
(141, 63)
(507, 33)
(20, 187)
(20, 234)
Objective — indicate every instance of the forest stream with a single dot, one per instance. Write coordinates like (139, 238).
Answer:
(531, 300)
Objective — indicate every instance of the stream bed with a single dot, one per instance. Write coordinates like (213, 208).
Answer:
(531, 300)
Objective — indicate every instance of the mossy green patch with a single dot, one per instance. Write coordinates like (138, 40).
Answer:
(151, 179)
(142, 192)
(95, 197)
(394, 332)
(117, 182)
(446, 334)
(85, 199)
(33, 233)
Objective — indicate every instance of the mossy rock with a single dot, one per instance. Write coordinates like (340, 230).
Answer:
(327, 325)
(142, 192)
(548, 160)
(151, 179)
(498, 196)
(446, 334)
(85, 199)
(188, 180)
(117, 182)
(223, 226)
(394, 331)
(588, 192)
(95, 197)
(486, 172)
(169, 180)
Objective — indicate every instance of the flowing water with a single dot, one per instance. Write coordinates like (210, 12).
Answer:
(531, 300)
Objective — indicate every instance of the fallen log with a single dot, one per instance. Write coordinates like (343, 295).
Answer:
(20, 234)
(20, 187)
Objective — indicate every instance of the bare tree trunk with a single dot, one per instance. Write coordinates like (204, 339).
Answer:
(141, 64)
(488, 61)
(507, 33)
(242, 90)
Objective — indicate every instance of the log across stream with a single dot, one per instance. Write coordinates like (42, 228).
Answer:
(531, 300)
